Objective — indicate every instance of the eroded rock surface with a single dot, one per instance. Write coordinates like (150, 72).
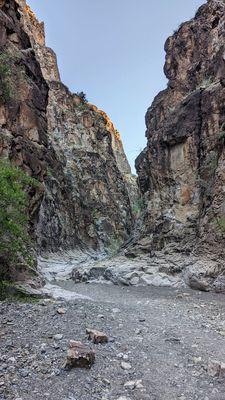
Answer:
(181, 171)
(91, 204)
(86, 188)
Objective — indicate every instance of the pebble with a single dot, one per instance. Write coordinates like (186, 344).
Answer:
(61, 311)
(134, 384)
(126, 366)
(123, 398)
(58, 336)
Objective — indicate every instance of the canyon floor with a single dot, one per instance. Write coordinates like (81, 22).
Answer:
(162, 342)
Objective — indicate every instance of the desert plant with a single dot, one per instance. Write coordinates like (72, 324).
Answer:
(10, 73)
(14, 237)
(171, 109)
(207, 81)
(82, 96)
(138, 206)
(113, 246)
(220, 221)
(221, 134)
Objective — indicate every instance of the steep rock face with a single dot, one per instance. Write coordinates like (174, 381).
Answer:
(182, 170)
(95, 165)
(94, 209)
(23, 102)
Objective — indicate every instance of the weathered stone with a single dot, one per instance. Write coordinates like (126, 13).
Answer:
(58, 336)
(216, 369)
(125, 365)
(97, 336)
(181, 171)
(79, 356)
(61, 311)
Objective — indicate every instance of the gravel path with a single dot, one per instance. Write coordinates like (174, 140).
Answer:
(163, 339)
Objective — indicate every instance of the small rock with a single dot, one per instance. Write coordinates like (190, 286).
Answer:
(97, 336)
(43, 348)
(61, 311)
(134, 281)
(222, 370)
(79, 356)
(138, 331)
(12, 360)
(173, 340)
(130, 385)
(197, 360)
(134, 384)
(115, 310)
(126, 366)
(58, 336)
(214, 368)
(24, 373)
(123, 398)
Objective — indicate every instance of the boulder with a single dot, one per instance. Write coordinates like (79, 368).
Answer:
(79, 356)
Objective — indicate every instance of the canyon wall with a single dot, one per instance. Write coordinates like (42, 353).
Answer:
(72, 148)
(181, 172)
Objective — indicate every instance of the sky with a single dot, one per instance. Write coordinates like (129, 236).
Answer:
(113, 50)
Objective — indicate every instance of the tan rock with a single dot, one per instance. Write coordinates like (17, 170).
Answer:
(97, 336)
(79, 356)
(61, 311)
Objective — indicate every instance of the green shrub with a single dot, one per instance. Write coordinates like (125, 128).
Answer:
(221, 223)
(9, 292)
(207, 81)
(10, 73)
(113, 247)
(171, 109)
(138, 206)
(82, 96)
(221, 134)
(14, 237)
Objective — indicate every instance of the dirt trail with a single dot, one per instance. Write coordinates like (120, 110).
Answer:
(167, 338)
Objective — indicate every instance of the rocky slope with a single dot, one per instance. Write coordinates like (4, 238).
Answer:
(71, 147)
(181, 171)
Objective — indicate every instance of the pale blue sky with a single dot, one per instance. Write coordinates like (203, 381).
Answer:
(113, 50)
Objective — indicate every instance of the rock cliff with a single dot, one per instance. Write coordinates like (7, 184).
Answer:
(71, 147)
(181, 172)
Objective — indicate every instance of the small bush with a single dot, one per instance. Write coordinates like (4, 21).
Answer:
(14, 237)
(207, 81)
(171, 109)
(113, 247)
(138, 206)
(221, 134)
(9, 292)
(10, 74)
(221, 223)
(82, 96)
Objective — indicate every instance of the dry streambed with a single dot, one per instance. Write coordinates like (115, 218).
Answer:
(163, 344)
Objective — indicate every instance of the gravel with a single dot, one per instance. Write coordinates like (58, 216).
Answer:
(166, 336)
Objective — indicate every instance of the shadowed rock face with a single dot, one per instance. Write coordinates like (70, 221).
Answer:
(70, 146)
(93, 208)
(23, 102)
(182, 170)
